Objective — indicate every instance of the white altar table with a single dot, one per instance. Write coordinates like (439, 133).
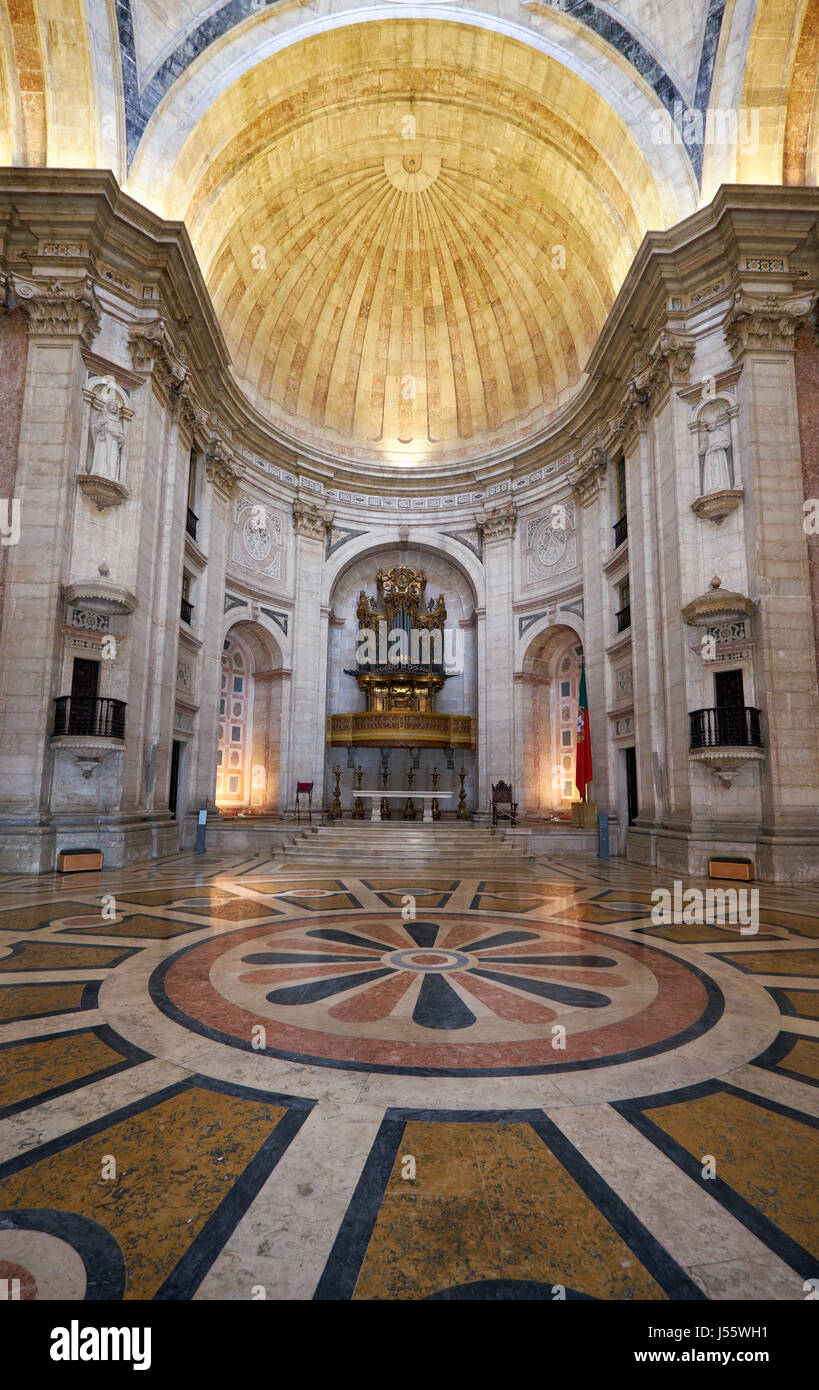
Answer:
(426, 797)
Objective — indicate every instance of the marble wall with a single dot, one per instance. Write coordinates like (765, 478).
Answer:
(111, 393)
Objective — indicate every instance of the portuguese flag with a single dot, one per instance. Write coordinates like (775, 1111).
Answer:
(583, 756)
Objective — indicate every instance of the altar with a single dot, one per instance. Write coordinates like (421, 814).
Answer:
(426, 797)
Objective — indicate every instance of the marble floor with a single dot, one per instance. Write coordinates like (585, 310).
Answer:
(233, 1078)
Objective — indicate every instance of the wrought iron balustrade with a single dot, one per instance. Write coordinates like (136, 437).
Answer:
(620, 530)
(192, 524)
(623, 618)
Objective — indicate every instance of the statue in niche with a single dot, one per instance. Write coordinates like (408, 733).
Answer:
(107, 431)
(717, 472)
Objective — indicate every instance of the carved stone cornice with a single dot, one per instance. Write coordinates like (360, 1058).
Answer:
(189, 410)
(766, 323)
(628, 418)
(668, 364)
(59, 308)
(497, 523)
(588, 476)
(153, 351)
(311, 520)
(222, 468)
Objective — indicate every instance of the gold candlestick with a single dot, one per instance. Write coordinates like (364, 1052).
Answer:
(409, 805)
(335, 810)
(358, 808)
(386, 813)
(463, 814)
(436, 810)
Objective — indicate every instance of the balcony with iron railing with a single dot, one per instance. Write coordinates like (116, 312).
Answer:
(620, 530)
(726, 726)
(88, 716)
(623, 618)
(185, 611)
(192, 524)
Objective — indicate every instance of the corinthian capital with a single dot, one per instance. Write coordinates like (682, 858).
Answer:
(59, 308)
(311, 520)
(497, 523)
(766, 322)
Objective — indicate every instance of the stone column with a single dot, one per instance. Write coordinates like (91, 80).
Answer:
(649, 429)
(305, 762)
(589, 481)
(62, 317)
(222, 473)
(267, 735)
(760, 333)
(496, 638)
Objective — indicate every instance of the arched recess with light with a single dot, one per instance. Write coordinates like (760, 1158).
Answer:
(459, 696)
(248, 759)
(549, 685)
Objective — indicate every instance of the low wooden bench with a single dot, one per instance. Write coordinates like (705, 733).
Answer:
(78, 861)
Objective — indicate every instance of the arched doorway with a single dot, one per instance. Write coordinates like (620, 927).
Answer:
(551, 682)
(248, 756)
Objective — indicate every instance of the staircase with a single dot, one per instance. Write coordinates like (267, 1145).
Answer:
(410, 845)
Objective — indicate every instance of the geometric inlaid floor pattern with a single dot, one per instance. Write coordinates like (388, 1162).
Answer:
(227, 1078)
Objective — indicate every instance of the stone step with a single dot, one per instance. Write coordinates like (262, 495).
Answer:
(473, 856)
(476, 847)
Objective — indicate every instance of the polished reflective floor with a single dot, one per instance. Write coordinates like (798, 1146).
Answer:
(228, 1078)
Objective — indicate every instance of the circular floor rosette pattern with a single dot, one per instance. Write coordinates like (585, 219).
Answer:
(460, 994)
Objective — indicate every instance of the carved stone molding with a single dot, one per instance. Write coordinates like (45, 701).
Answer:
(589, 476)
(59, 309)
(716, 606)
(766, 323)
(100, 596)
(311, 520)
(497, 523)
(668, 364)
(153, 351)
(715, 506)
(191, 412)
(627, 419)
(103, 492)
(222, 468)
(725, 763)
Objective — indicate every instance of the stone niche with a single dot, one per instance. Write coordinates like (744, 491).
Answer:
(105, 431)
(714, 433)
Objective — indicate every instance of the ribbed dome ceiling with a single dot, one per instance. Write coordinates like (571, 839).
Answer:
(414, 236)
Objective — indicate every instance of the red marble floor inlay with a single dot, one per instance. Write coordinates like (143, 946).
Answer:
(488, 1008)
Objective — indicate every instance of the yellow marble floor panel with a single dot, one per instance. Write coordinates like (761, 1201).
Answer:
(20, 919)
(490, 1201)
(769, 1159)
(32, 1001)
(47, 955)
(175, 1162)
(802, 1058)
(696, 933)
(782, 962)
(805, 1001)
(158, 928)
(29, 1069)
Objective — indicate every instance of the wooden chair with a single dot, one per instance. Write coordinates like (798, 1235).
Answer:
(302, 788)
(502, 804)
